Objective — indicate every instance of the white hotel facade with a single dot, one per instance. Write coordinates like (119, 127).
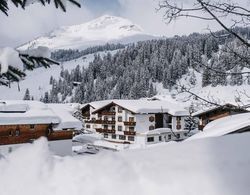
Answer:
(136, 121)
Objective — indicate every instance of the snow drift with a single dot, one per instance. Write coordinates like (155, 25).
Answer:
(202, 167)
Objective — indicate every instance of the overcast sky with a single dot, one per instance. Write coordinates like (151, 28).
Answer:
(22, 26)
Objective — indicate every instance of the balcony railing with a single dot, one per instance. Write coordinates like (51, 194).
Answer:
(129, 133)
(129, 123)
(109, 113)
(101, 122)
(100, 130)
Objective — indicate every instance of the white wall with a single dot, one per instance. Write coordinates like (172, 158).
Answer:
(143, 123)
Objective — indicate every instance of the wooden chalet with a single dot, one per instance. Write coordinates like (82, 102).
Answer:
(212, 114)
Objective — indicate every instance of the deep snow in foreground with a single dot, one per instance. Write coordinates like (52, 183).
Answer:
(203, 167)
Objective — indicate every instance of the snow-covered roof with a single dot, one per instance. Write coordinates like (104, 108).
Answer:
(26, 112)
(96, 104)
(20, 112)
(212, 108)
(224, 126)
(64, 112)
(148, 106)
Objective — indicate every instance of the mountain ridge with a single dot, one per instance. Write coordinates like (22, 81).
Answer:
(102, 30)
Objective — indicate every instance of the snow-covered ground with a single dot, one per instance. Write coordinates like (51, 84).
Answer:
(212, 166)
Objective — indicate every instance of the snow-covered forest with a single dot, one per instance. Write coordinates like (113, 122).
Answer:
(132, 72)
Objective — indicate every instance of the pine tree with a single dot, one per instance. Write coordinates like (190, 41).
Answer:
(27, 95)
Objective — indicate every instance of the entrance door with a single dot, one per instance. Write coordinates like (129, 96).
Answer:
(158, 120)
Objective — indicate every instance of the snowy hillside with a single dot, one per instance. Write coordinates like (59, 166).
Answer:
(104, 29)
(212, 166)
(38, 80)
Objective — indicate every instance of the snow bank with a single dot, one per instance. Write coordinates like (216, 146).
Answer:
(202, 167)
(224, 126)
(9, 57)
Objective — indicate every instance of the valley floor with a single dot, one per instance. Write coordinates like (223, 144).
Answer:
(204, 167)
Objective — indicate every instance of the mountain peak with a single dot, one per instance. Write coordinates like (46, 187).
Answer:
(101, 30)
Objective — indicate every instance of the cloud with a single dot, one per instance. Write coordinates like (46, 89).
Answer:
(23, 25)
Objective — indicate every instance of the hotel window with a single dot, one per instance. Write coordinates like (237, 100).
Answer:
(112, 109)
(150, 139)
(122, 137)
(119, 109)
(32, 127)
(120, 118)
(93, 119)
(169, 137)
(105, 118)
(151, 127)
(113, 118)
(160, 139)
(119, 128)
(131, 129)
(113, 136)
(131, 119)
(113, 127)
(185, 134)
(88, 126)
(105, 127)
(151, 119)
(131, 138)
(178, 136)
(178, 118)
(106, 135)
(10, 132)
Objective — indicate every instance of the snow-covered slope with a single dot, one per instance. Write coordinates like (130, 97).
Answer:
(214, 166)
(96, 32)
(37, 81)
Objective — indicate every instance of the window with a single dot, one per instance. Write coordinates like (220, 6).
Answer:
(151, 119)
(112, 109)
(151, 127)
(105, 118)
(131, 129)
(113, 127)
(119, 128)
(88, 126)
(150, 139)
(113, 118)
(17, 132)
(106, 135)
(131, 138)
(178, 126)
(131, 119)
(105, 127)
(160, 139)
(122, 137)
(178, 136)
(10, 132)
(169, 137)
(93, 119)
(32, 127)
(185, 134)
(119, 109)
(119, 118)
(178, 118)
(113, 136)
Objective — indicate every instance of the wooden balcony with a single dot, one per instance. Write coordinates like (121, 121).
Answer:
(129, 123)
(105, 122)
(129, 133)
(100, 130)
(106, 113)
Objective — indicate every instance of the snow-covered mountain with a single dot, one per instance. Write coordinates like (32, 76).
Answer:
(99, 31)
